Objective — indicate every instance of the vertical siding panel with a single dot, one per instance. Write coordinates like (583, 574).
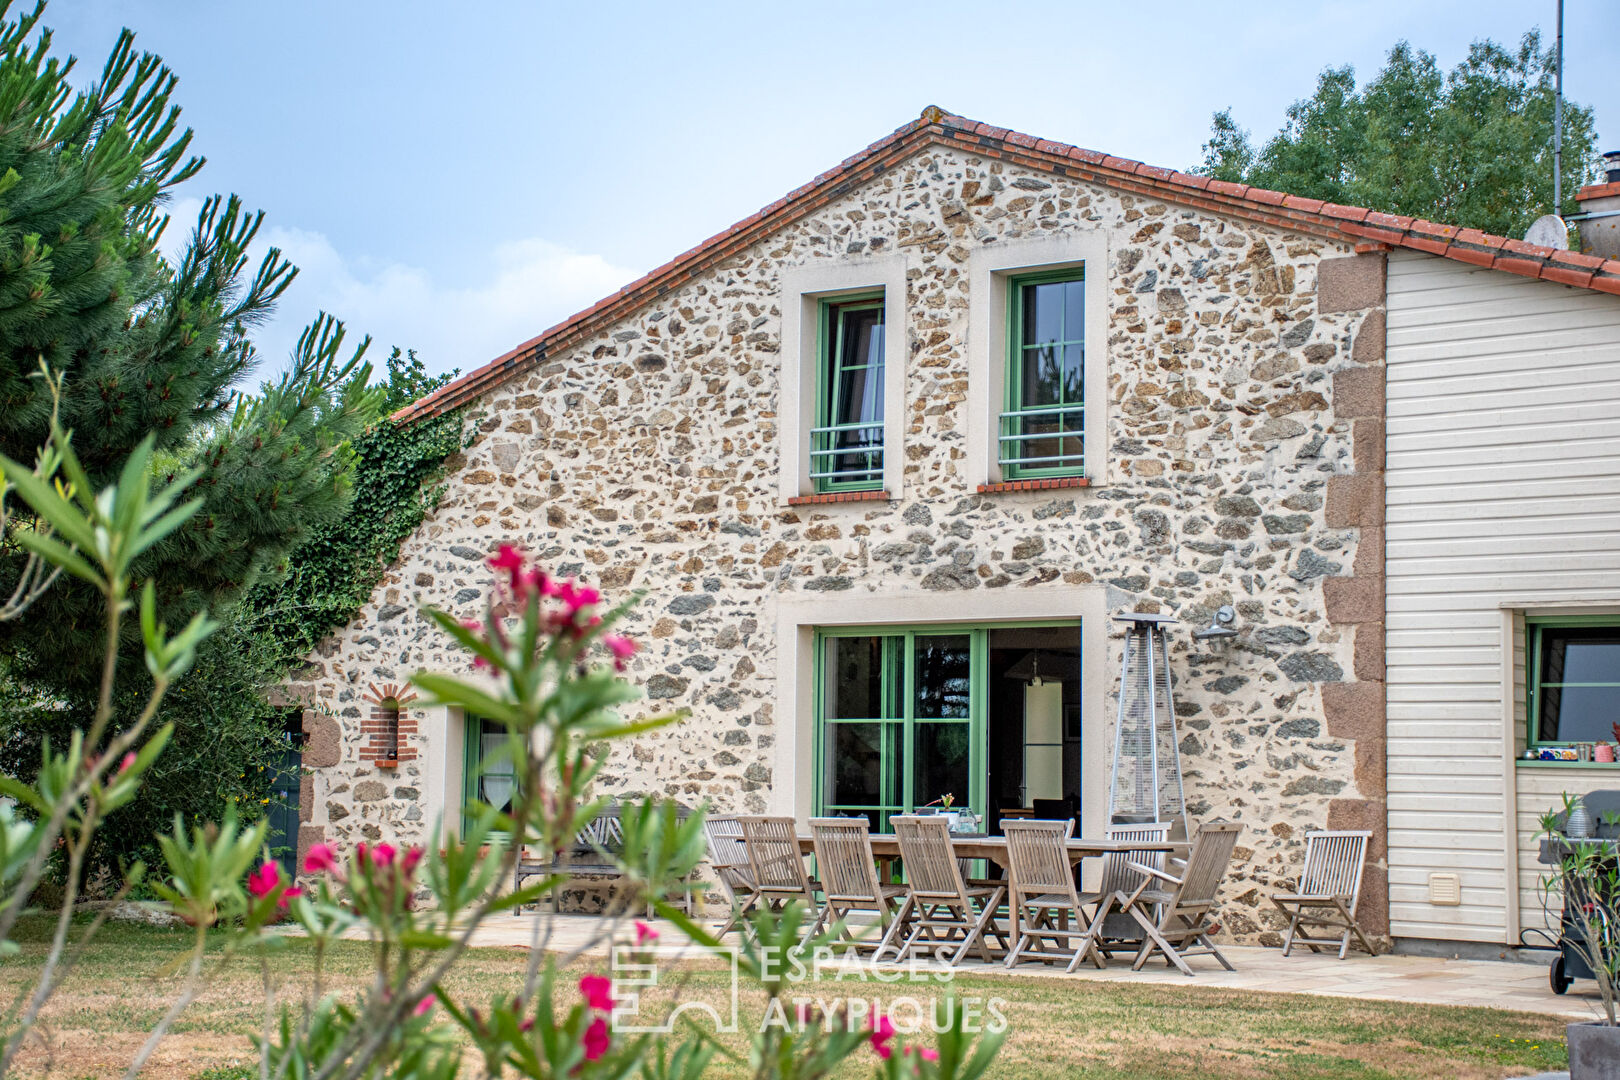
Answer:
(1503, 482)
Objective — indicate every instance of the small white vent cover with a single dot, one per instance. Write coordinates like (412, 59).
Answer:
(1445, 889)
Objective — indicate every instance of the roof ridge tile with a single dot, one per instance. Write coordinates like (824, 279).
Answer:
(1353, 224)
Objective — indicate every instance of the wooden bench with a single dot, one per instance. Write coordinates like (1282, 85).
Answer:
(592, 854)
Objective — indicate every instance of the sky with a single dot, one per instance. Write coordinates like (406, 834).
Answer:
(457, 178)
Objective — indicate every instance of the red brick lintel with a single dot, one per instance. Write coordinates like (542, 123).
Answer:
(838, 497)
(1035, 485)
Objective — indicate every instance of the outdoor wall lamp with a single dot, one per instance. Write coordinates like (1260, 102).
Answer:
(1220, 629)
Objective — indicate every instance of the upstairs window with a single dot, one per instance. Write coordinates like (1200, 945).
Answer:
(1043, 425)
(846, 445)
(1575, 680)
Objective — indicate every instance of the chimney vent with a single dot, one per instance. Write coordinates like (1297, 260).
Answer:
(1599, 219)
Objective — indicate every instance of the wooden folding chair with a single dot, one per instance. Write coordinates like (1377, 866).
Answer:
(849, 880)
(729, 857)
(1329, 889)
(1042, 893)
(775, 864)
(1174, 912)
(1116, 930)
(939, 898)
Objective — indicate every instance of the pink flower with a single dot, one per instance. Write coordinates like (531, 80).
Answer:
(508, 558)
(531, 583)
(382, 855)
(927, 1053)
(595, 1039)
(598, 991)
(423, 1007)
(127, 763)
(882, 1032)
(320, 859)
(263, 881)
(575, 597)
(266, 880)
(621, 647)
(412, 857)
(644, 934)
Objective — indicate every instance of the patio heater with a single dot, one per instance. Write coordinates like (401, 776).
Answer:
(1146, 784)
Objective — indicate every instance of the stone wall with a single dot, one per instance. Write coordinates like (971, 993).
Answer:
(647, 459)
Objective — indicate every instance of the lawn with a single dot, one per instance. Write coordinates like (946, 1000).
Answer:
(1059, 1028)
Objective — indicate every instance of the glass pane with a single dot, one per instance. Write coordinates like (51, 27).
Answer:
(1042, 381)
(862, 337)
(1074, 311)
(942, 763)
(1579, 713)
(1043, 313)
(1584, 654)
(854, 671)
(860, 400)
(497, 782)
(1074, 374)
(943, 675)
(855, 762)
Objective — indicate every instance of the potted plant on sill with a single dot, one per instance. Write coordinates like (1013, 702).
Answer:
(1581, 894)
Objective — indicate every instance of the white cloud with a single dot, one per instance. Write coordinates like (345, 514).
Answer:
(530, 285)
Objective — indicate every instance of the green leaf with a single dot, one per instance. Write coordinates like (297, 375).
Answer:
(61, 515)
(444, 690)
(58, 555)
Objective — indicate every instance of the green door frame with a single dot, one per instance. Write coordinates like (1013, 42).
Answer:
(900, 647)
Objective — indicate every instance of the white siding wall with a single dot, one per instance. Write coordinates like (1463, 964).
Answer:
(1503, 487)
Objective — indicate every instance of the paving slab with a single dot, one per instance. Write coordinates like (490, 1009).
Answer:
(1430, 980)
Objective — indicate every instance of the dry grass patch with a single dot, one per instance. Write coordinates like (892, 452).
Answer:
(1100, 1031)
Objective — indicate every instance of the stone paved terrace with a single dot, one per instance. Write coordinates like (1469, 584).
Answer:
(1428, 980)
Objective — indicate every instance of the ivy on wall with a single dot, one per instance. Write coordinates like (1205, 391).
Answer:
(330, 576)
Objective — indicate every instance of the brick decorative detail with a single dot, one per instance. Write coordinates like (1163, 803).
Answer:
(1034, 485)
(386, 733)
(1356, 710)
(839, 497)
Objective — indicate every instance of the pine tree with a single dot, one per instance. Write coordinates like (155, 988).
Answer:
(1472, 147)
(145, 346)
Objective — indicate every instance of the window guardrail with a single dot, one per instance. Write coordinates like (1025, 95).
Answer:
(1012, 424)
(868, 454)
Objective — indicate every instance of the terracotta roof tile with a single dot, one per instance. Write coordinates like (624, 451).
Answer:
(1464, 253)
(1348, 213)
(1361, 227)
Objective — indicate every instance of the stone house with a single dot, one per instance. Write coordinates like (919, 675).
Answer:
(886, 450)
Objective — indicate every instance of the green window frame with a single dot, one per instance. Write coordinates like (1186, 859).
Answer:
(479, 766)
(846, 451)
(1044, 439)
(1548, 694)
(901, 726)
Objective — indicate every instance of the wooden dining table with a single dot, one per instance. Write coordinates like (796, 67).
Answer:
(886, 849)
